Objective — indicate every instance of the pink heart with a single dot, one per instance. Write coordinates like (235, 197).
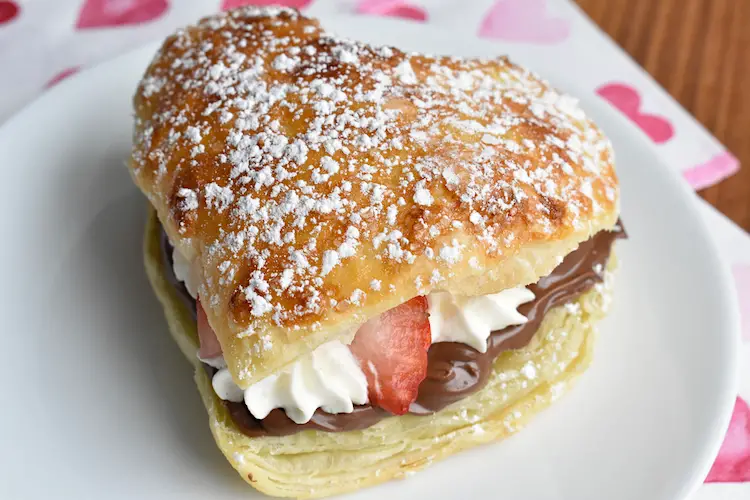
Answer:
(109, 13)
(628, 101)
(392, 8)
(233, 4)
(717, 168)
(732, 465)
(741, 274)
(61, 76)
(523, 21)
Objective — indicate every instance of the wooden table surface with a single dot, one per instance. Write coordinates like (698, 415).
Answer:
(699, 51)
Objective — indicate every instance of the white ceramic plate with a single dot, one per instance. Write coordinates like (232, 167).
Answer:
(98, 402)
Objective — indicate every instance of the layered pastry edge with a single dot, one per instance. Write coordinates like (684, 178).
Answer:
(311, 464)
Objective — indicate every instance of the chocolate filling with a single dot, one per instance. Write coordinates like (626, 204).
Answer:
(454, 370)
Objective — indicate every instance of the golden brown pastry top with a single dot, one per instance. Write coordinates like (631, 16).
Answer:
(319, 181)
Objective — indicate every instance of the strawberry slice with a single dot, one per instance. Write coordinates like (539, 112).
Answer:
(392, 350)
(210, 347)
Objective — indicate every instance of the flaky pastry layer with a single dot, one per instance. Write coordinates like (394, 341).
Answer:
(313, 464)
(318, 182)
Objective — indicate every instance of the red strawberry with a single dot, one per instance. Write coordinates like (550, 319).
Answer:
(210, 347)
(392, 350)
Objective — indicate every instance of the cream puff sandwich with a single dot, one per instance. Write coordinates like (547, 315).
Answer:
(373, 258)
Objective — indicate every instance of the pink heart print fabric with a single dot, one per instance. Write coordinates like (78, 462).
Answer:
(392, 8)
(627, 99)
(733, 462)
(109, 13)
(553, 37)
(526, 21)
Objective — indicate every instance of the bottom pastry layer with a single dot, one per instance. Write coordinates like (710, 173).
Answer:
(313, 464)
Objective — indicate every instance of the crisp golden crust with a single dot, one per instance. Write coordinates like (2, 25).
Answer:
(318, 182)
(313, 464)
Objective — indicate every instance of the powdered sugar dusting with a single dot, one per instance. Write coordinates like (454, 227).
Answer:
(295, 155)
(423, 197)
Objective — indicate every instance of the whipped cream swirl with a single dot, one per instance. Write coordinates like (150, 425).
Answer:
(329, 378)
(470, 320)
(187, 272)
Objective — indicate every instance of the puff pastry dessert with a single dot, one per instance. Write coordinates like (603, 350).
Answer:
(373, 258)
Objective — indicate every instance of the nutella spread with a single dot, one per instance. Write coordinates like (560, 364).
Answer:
(454, 370)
